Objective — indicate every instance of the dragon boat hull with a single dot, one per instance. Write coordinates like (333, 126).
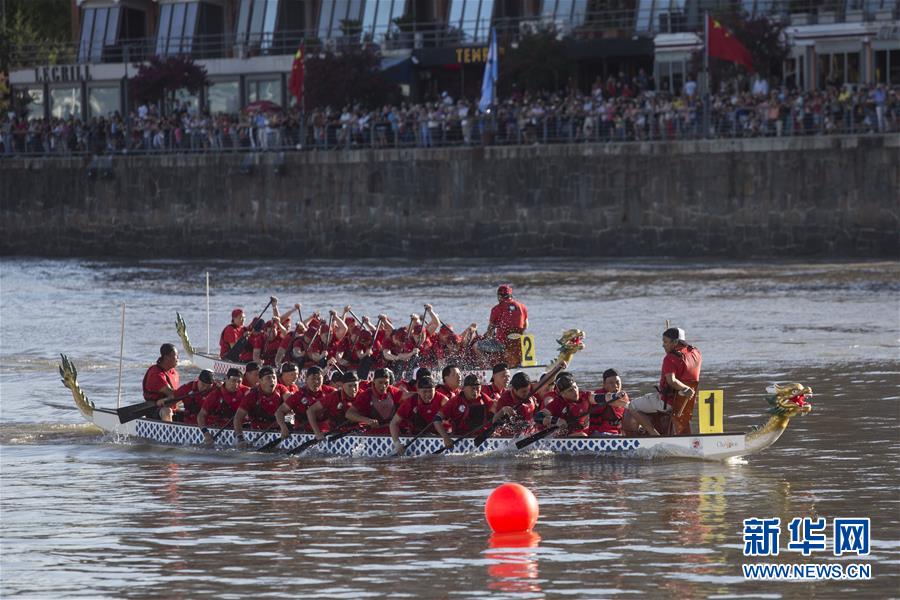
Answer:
(715, 447)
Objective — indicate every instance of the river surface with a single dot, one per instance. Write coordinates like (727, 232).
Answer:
(86, 515)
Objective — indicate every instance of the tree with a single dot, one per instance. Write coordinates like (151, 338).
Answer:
(161, 77)
(764, 38)
(352, 77)
(536, 63)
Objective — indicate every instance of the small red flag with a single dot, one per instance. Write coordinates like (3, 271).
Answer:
(722, 44)
(297, 75)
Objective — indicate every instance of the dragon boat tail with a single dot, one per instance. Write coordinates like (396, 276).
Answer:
(785, 402)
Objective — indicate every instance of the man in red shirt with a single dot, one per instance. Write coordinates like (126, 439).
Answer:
(220, 405)
(451, 378)
(567, 407)
(678, 384)
(299, 402)
(519, 400)
(161, 380)
(251, 375)
(330, 412)
(195, 392)
(375, 405)
(465, 410)
(233, 332)
(259, 404)
(499, 382)
(288, 377)
(417, 411)
(508, 318)
(610, 404)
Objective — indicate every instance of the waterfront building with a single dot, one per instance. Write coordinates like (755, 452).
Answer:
(427, 46)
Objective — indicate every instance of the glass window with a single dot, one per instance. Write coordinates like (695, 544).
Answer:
(564, 10)
(483, 32)
(65, 102)
(579, 12)
(190, 27)
(549, 9)
(112, 26)
(36, 104)
(103, 101)
(256, 21)
(457, 17)
(99, 34)
(162, 36)
(264, 89)
(87, 26)
(269, 23)
(243, 19)
(644, 15)
(223, 97)
(177, 30)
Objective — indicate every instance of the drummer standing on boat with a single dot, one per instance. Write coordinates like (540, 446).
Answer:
(508, 318)
(161, 380)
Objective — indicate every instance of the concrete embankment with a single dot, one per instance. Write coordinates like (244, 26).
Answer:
(836, 196)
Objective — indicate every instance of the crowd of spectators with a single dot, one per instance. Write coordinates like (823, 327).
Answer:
(612, 112)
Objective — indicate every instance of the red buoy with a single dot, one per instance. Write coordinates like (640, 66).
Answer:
(511, 508)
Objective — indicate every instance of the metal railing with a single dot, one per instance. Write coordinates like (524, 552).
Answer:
(632, 124)
(648, 18)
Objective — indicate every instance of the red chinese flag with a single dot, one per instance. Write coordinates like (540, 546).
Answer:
(296, 82)
(722, 44)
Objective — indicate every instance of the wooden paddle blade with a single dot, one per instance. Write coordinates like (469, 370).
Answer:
(135, 411)
(536, 437)
(269, 446)
(304, 446)
(479, 440)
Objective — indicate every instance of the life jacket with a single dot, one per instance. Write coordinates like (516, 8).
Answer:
(688, 373)
(604, 417)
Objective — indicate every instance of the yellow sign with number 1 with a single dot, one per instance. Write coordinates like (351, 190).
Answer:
(710, 411)
(527, 344)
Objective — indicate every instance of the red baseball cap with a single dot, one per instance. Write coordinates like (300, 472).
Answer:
(237, 312)
(505, 290)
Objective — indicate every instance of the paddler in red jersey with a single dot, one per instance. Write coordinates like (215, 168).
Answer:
(251, 375)
(499, 382)
(375, 404)
(220, 405)
(161, 380)
(519, 402)
(195, 392)
(233, 332)
(288, 376)
(298, 403)
(464, 411)
(259, 404)
(417, 411)
(329, 413)
(451, 378)
(567, 407)
(609, 407)
(677, 387)
(508, 318)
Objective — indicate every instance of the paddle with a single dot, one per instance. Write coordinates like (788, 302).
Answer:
(234, 354)
(136, 411)
(487, 432)
(536, 437)
(365, 363)
(328, 438)
(268, 446)
(417, 436)
(456, 441)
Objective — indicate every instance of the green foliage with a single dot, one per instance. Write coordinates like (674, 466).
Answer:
(352, 77)
(34, 32)
(538, 63)
(161, 77)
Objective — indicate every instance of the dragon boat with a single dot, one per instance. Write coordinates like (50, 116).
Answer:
(785, 402)
(220, 366)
